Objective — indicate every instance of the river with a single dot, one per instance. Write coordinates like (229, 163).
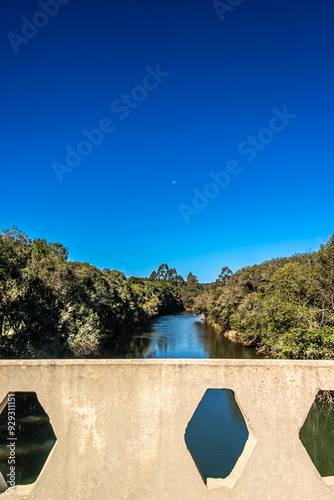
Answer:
(182, 335)
(217, 432)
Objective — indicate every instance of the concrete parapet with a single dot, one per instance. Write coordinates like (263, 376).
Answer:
(120, 427)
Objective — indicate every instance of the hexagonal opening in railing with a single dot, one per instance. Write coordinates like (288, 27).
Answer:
(317, 435)
(219, 439)
(26, 439)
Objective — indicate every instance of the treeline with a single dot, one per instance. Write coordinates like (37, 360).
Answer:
(51, 307)
(284, 307)
(189, 288)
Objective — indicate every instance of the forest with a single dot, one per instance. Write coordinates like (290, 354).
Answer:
(52, 307)
(284, 307)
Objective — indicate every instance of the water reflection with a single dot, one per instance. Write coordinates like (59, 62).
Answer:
(217, 432)
(182, 335)
(33, 437)
(317, 435)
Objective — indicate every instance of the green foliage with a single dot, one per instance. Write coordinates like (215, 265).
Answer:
(51, 307)
(85, 340)
(135, 281)
(283, 306)
(224, 276)
(192, 281)
(301, 343)
(191, 289)
(247, 318)
(164, 273)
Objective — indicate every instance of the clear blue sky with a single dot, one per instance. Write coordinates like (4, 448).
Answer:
(120, 207)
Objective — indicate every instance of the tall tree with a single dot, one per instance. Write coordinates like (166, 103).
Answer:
(224, 276)
(192, 281)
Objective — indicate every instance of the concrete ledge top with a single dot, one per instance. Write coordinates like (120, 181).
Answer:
(170, 361)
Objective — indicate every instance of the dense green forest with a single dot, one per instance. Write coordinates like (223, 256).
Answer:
(51, 307)
(285, 307)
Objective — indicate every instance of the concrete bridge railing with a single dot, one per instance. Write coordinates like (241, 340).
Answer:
(120, 427)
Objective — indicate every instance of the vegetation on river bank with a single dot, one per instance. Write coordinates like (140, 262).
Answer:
(285, 306)
(52, 307)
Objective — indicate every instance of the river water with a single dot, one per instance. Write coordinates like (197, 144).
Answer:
(215, 435)
(217, 432)
(183, 335)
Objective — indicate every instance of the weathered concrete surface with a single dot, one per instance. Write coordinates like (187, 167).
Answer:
(120, 427)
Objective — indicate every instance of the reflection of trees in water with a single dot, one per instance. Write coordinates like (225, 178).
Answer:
(130, 345)
(163, 344)
(152, 341)
(218, 346)
(317, 435)
(151, 354)
(159, 346)
(162, 337)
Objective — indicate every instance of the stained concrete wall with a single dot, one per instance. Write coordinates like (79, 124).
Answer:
(120, 427)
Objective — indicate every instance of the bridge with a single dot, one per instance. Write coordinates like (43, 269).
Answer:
(120, 427)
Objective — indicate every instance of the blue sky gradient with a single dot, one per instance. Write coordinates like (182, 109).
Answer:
(120, 207)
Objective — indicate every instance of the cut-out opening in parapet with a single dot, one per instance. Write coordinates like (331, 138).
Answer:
(317, 435)
(218, 438)
(26, 439)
